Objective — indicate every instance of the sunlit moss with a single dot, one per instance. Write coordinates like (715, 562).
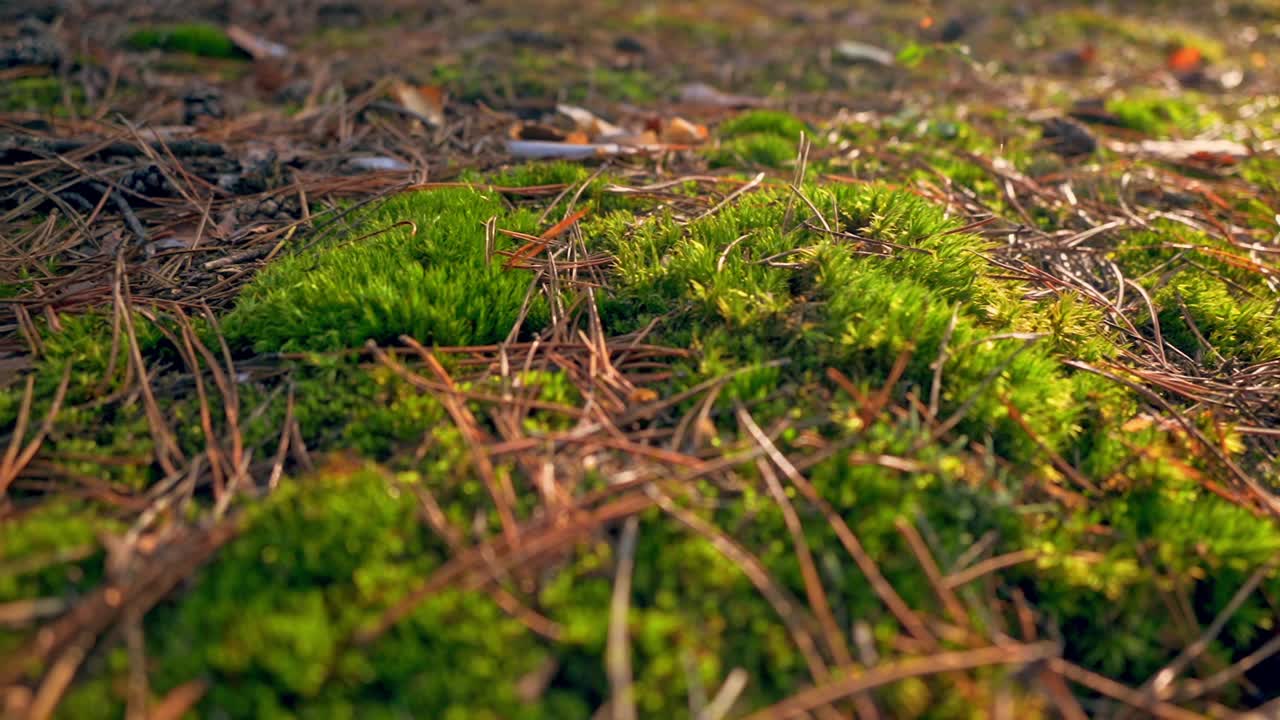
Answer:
(422, 270)
(195, 38)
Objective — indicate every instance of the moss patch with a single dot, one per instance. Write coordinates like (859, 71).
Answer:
(39, 94)
(196, 38)
(416, 265)
(1162, 115)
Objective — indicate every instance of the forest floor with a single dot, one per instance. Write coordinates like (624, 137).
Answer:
(486, 359)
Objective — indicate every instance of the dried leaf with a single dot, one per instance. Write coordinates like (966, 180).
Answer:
(853, 52)
(1206, 152)
(257, 46)
(704, 94)
(679, 131)
(425, 101)
(589, 123)
(647, 137)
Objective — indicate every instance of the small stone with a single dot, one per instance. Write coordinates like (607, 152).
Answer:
(1068, 138)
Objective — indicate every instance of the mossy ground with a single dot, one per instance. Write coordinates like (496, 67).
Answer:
(426, 427)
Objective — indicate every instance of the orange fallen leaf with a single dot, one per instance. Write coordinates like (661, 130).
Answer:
(926, 22)
(1184, 59)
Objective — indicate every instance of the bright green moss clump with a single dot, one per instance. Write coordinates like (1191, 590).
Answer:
(768, 122)
(752, 151)
(420, 269)
(49, 554)
(1161, 116)
(196, 38)
(270, 618)
(985, 419)
(758, 138)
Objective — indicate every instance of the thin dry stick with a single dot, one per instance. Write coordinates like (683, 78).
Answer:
(58, 679)
(179, 701)
(813, 208)
(167, 452)
(1155, 320)
(1111, 688)
(888, 673)
(618, 650)
(1269, 500)
(1058, 461)
(282, 447)
(950, 602)
(754, 182)
(502, 494)
(910, 621)
(212, 448)
(1161, 682)
(818, 601)
(802, 161)
(454, 538)
(935, 388)
(726, 696)
(139, 685)
(988, 566)
(15, 460)
(1192, 689)
(787, 610)
(467, 565)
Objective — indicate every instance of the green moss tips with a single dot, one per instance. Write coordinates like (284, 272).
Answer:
(1157, 115)
(269, 619)
(200, 39)
(768, 122)
(415, 265)
(756, 149)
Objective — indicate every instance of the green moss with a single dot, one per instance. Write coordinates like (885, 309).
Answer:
(759, 149)
(41, 541)
(527, 73)
(92, 438)
(1241, 328)
(267, 621)
(544, 173)
(768, 122)
(50, 553)
(420, 271)
(1202, 284)
(1162, 115)
(39, 94)
(688, 26)
(1133, 31)
(200, 39)
(632, 86)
